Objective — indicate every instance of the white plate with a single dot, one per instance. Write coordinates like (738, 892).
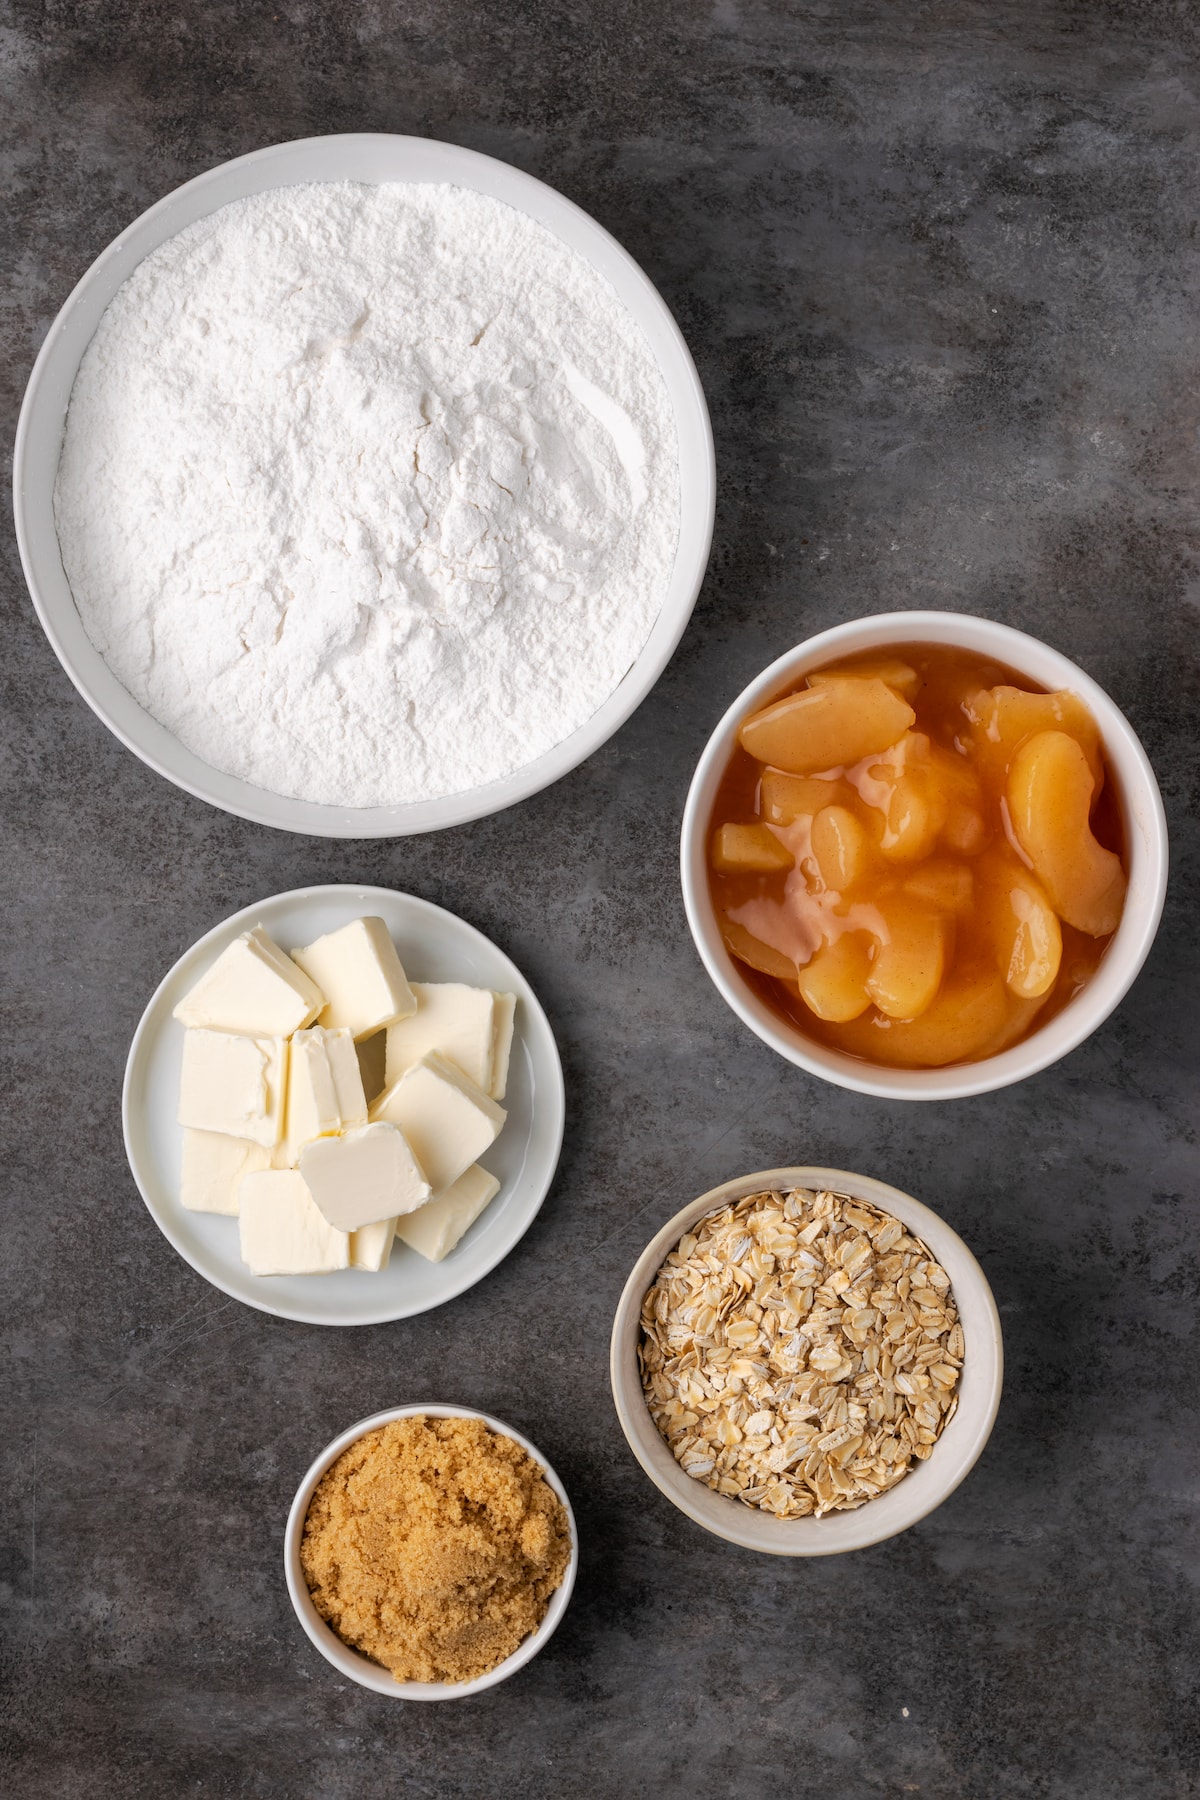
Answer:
(433, 946)
(369, 157)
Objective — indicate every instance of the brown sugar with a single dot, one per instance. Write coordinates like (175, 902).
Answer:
(433, 1546)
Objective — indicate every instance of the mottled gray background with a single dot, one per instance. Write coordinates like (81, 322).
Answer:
(938, 265)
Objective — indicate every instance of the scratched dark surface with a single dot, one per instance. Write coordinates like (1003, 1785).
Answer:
(938, 266)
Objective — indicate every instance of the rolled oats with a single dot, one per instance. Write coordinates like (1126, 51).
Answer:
(799, 1351)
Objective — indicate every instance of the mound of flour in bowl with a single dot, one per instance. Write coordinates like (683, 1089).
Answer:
(368, 494)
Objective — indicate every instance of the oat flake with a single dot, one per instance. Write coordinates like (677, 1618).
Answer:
(799, 1351)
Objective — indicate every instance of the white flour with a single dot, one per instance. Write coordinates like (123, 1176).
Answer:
(368, 494)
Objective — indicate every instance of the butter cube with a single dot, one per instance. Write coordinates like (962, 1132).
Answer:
(233, 1084)
(371, 1246)
(213, 1165)
(282, 1232)
(253, 988)
(311, 1106)
(457, 1021)
(324, 1091)
(506, 1013)
(435, 1228)
(360, 974)
(367, 1175)
(471, 1027)
(347, 1076)
(447, 1119)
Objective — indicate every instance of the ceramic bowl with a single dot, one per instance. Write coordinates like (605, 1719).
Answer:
(1141, 811)
(361, 1669)
(925, 1486)
(366, 157)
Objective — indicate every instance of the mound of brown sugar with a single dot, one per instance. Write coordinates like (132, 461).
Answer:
(433, 1547)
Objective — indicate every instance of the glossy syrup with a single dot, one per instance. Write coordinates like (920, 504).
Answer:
(947, 676)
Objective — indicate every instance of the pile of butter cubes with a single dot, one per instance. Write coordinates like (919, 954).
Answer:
(277, 1129)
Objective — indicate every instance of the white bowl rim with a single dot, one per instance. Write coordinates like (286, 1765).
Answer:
(1145, 830)
(439, 161)
(924, 1488)
(349, 1662)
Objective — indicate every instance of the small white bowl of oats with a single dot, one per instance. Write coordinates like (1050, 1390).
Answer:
(806, 1361)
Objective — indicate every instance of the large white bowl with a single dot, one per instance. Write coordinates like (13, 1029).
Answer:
(360, 1668)
(368, 157)
(1141, 812)
(924, 1487)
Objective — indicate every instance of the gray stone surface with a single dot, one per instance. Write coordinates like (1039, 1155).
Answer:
(939, 268)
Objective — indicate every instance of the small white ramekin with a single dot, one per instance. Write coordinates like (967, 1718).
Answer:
(924, 1487)
(1141, 811)
(359, 1668)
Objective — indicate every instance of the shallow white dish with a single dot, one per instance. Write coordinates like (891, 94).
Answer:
(434, 946)
(358, 1668)
(1142, 815)
(367, 157)
(925, 1486)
